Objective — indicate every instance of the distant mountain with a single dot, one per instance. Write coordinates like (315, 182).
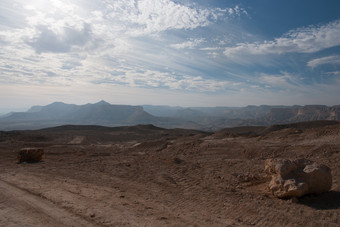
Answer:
(248, 112)
(5, 114)
(215, 118)
(202, 118)
(101, 113)
(305, 113)
(281, 115)
(162, 111)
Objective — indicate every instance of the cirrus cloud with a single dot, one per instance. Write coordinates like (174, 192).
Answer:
(333, 60)
(190, 44)
(303, 40)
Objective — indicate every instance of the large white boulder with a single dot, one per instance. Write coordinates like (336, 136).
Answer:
(296, 178)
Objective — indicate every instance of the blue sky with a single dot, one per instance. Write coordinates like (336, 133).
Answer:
(169, 52)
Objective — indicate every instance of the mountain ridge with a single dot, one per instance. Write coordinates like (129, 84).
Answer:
(202, 118)
(100, 113)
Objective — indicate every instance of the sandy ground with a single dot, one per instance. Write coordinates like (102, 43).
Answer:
(161, 178)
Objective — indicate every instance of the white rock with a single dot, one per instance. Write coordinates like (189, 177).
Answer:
(296, 178)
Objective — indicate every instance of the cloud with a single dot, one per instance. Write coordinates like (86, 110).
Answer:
(172, 46)
(149, 17)
(162, 15)
(111, 43)
(156, 79)
(71, 65)
(280, 81)
(49, 41)
(236, 11)
(191, 44)
(290, 89)
(330, 60)
(334, 73)
(303, 40)
(293, 88)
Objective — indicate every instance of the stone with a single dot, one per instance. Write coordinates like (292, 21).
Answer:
(30, 155)
(296, 178)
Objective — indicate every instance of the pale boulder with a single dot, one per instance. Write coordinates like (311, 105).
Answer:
(296, 178)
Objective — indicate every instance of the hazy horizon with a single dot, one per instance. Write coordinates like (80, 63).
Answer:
(166, 52)
(7, 110)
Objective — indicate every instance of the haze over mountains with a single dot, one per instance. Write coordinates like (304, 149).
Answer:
(203, 118)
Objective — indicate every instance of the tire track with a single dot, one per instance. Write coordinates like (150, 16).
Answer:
(22, 208)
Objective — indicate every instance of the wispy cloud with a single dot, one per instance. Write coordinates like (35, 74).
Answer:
(192, 43)
(172, 47)
(334, 73)
(303, 40)
(331, 60)
(282, 81)
(87, 43)
(157, 79)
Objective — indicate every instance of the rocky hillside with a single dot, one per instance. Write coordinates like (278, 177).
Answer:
(305, 113)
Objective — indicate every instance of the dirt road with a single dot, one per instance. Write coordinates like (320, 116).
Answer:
(19, 207)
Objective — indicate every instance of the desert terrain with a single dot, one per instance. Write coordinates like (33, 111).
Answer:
(149, 176)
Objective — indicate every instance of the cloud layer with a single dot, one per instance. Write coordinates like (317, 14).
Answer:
(88, 43)
(178, 47)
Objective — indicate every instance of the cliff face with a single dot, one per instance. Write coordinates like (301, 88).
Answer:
(305, 113)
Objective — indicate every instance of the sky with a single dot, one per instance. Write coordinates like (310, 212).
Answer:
(169, 52)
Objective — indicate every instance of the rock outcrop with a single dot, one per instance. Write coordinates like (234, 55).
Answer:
(296, 178)
(30, 155)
